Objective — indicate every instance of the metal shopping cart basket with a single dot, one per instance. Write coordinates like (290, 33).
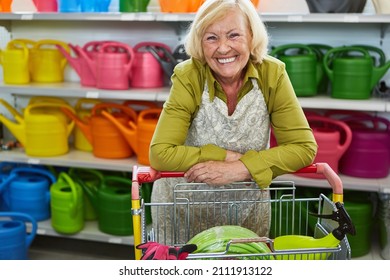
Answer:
(199, 207)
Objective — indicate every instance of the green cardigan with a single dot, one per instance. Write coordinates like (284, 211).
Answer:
(296, 144)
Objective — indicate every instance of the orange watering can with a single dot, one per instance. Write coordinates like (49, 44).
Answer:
(15, 62)
(41, 132)
(139, 134)
(47, 62)
(83, 111)
(106, 140)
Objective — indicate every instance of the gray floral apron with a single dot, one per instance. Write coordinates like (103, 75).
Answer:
(199, 206)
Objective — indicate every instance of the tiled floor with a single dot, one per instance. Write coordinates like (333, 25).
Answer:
(56, 248)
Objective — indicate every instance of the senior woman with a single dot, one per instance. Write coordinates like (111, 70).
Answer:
(215, 126)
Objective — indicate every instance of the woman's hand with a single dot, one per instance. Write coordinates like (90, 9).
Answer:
(218, 173)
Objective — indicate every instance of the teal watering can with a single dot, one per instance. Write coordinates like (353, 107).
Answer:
(67, 207)
(26, 190)
(15, 240)
(352, 72)
(112, 201)
(301, 66)
(90, 180)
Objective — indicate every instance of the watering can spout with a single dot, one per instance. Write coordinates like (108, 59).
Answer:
(17, 129)
(73, 61)
(84, 127)
(130, 132)
(378, 73)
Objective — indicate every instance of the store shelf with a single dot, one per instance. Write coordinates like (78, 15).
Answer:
(175, 17)
(90, 232)
(75, 90)
(73, 158)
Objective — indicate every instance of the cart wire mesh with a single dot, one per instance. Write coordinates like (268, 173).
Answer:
(197, 207)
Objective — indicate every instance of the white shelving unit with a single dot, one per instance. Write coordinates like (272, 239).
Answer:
(133, 27)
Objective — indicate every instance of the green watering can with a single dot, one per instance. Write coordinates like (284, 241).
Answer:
(302, 67)
(87, 179)
(322, 78)
(67, 215)
(352, 72)
(112, 202)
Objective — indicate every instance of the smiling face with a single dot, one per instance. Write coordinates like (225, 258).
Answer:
(226, 46)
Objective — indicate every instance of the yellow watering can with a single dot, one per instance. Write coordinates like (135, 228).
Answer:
(15, 62)
(47, 62)
(42, 133)
(83, 112)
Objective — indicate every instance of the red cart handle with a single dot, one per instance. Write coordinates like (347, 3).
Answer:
(148, 174)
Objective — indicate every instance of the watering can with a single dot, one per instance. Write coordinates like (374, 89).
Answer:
(67, 207)
(15, 63)
(139, 134)
(165, 57)
(146, 70)
(320, 50)
(302, 67)
(112, 201)
(79, 64)
(15, 240)
(106, 140)
(47, 62)
(352, 76)
(87, 179)
(369, 153)
(46, 5)
(333, 138)
(26, 190)
(112, 65)
(69, 6)
(83, 112)
(131, 6)
(41, 133)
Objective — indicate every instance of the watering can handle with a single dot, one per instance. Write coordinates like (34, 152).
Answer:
(56, 105)
(155, 44)
(127, 110)
(348, 132)
(26, 218)
(63, 177)
(36, 171)
(281, 48)
(147, 174)
(65, 46)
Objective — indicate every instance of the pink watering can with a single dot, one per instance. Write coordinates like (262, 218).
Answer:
(147, 71)
(111, 66)
(79, 64)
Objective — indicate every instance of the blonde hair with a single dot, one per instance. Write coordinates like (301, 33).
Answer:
(213, 10)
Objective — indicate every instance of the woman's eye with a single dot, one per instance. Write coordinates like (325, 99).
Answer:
(211, 38)
(234, 35)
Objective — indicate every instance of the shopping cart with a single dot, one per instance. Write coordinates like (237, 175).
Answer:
(291, 217)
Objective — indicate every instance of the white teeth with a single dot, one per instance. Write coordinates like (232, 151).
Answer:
(226, 60)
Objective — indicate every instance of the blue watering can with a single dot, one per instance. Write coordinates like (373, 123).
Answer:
(14, 238)
(27, 190)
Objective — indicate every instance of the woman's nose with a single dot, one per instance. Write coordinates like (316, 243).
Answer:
(224, 46)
